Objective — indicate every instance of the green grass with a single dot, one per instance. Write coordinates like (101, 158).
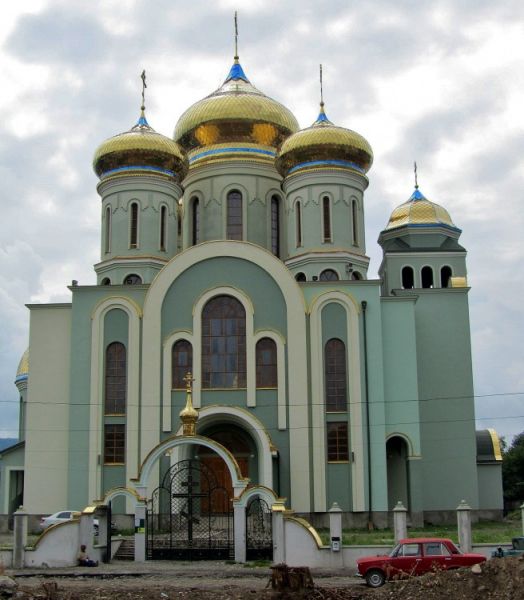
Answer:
(482, 533)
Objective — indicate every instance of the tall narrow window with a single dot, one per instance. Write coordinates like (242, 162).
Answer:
(408, 277)
(223, 343)
(234, 216)
(267, 372)
(326, 214)
(108, 230)
(427, 277)
(354, 222)
(445, 276)
(337, 442)
(275, 225)
(115, 379)
(181, 363)
(163, 228)
(298, 224)
(114, 444)
(133, 226)
(195, 221)
(335, 375)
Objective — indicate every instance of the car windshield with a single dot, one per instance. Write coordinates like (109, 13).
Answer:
(394, 551)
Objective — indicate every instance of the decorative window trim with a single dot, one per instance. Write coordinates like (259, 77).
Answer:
(298, 224)
(356, 421)
(174, 337)
(278, 198)
(354, 222)
(344, 409)
(235, 187)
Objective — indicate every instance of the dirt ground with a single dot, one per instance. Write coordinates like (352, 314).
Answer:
(498, 579)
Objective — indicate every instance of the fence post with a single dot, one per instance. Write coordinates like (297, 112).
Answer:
(522, 516)
(400, 521)
(279, 537)
(239, 528)
(464, 526)
(19, 537)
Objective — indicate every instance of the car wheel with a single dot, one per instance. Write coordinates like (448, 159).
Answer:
(375, 578)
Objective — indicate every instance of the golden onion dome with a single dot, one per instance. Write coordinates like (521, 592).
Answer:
(23, 367)
(140, 149)
(235, 121)
(324, 145)
(419, 211)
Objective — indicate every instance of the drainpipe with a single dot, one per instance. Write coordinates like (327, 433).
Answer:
(368, 429)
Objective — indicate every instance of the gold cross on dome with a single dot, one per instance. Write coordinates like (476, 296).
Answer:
(188, 378)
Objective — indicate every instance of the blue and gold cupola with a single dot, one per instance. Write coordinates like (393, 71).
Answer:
(324, 145)
(140, 150)
(237, 121)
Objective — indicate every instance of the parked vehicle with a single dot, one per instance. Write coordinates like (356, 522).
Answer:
(517, 548)
(414, 556)
(59, 517)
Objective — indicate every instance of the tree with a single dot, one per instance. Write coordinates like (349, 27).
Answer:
(513, 470)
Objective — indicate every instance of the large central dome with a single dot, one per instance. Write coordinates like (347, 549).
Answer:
(235, 121)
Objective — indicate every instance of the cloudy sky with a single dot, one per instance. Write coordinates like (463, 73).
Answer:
(437, 81)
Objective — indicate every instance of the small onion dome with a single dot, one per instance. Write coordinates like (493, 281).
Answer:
(140, 149)
(189, 415)
(235, 121)
(419, 211)
(324, 145)
(22, 373)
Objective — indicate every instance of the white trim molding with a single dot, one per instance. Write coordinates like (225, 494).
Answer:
(318, 401)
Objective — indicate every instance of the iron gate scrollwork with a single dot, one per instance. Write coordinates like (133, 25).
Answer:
(259, 530)
(189, 516)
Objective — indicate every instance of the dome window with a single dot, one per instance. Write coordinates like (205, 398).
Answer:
(408, 278)
(195, 221)
(234, 215)
(427, 277)
(163, 228)
(326, 218)
(133, 279)
(133, 226)
(107, 247)
(445, 276)
(275, 225)
(298, 224)
(328, 275)
(300, 277)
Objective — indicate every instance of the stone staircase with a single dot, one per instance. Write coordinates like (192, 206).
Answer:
(126, 550)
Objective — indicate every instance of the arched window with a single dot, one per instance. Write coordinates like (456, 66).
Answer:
(275, 225)
(445, 276)
(427, 277)
(223, 343)
(298, 224)
(300, 277)
(133, 226)
(326, 217)
(115, 379)
(354, 222)
(195, 221)
(108, 230)
(408, 278)
(163, 227)
(356, 276)
(105, 281)
(335, 375)
(234, 215)
(328, 275)
(267, 372)
(181, 363)
(133, 279)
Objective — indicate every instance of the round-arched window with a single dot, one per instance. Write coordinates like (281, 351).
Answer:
(133, 279)
(328, 275)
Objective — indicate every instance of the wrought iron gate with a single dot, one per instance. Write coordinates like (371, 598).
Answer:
(189, 516)
(259, 530)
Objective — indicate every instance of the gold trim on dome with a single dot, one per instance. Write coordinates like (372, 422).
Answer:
(138, 140)
(326, 134)
(496, 444)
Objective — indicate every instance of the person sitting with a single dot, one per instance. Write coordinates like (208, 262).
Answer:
(84, 560)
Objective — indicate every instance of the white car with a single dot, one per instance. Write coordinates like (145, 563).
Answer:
(59, 517)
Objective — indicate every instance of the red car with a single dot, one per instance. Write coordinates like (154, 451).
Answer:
(414, 556)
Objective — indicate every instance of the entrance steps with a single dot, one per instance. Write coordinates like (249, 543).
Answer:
(126, 550)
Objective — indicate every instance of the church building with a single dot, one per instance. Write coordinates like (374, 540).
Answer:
(233, 262)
